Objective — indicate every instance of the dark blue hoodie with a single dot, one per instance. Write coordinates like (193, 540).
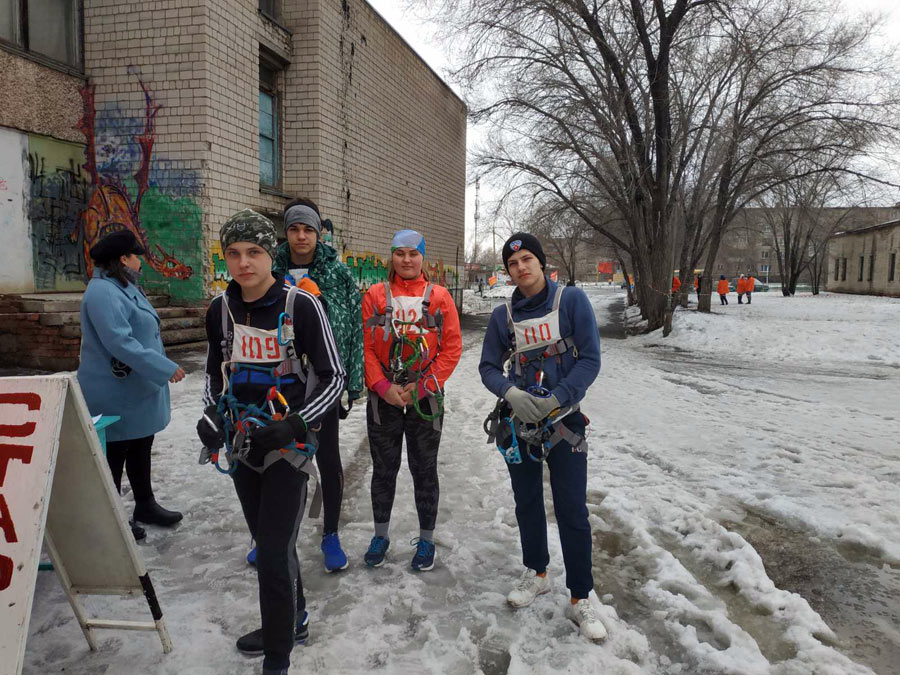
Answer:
(569, 380)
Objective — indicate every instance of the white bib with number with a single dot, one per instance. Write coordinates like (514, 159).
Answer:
(407, 308)
(255, 345)
(539, 332)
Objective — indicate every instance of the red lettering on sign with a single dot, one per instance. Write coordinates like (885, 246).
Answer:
(6, 572)
(33, 401)
(17, 430)
(6, 523)
(8, 452)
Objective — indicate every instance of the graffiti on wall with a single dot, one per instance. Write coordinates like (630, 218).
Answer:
(155, 198)
(218, 271)
(58, 193)
(368, 269)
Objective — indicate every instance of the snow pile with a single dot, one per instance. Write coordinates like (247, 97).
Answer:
(475, 304)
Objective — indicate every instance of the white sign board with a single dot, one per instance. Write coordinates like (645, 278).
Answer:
(55, 486)
(30, 416)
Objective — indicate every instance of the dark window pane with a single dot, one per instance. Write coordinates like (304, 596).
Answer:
(268, 6)
(53, 29)
(891, 266)
(9, 20)
(267, 78)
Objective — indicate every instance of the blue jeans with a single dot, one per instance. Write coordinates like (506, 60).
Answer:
(568, 483)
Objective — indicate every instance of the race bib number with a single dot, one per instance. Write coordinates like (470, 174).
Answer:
(407, 309)
(254, 345)
(540, 332)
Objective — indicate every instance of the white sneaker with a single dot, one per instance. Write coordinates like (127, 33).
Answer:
(529, 587)
(585, 616)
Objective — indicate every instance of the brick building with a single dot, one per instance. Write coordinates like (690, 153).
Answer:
(865, 260)
(168, 116)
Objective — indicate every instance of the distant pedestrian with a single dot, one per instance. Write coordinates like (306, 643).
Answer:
(481, 287)
(698, 283)
(676, 285)
(722, 290)
(741, 289)
(751, 284)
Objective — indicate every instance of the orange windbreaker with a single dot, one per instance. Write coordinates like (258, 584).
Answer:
(676, 284)
(751, 283)
(741, 286)
(722, 288)
(377, 350)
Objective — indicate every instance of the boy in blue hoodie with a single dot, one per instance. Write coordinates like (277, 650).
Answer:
(549, 333)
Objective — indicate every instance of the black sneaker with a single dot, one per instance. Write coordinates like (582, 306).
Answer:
(251, 644)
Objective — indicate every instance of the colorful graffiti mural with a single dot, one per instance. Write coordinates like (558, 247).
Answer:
(368, 269)
(58, 193)
(218, 271)
(163, 213)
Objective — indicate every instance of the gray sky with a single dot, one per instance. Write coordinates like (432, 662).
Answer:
(420, 36)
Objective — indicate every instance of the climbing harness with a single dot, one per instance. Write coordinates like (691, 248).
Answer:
(408, 335)
(540, 333)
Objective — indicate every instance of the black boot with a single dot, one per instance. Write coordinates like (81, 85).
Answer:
(148, 511)
(137, 531)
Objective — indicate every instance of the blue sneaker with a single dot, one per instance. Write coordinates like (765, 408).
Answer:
(377, 548)
(251, 557)
(423, 560)
(335, 559)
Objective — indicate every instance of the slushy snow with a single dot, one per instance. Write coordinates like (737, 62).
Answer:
(784, 409)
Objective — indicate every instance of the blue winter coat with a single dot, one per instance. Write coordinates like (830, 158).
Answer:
(567, 378)
(124, 370)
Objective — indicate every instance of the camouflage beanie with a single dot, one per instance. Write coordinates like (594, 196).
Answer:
(248, 225)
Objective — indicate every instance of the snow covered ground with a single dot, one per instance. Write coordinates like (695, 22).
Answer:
(742, 491)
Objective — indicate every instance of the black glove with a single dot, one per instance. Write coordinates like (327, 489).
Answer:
(277, 435)
(211, 429)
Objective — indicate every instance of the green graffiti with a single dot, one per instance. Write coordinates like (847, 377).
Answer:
(367, 269)
(173, 224)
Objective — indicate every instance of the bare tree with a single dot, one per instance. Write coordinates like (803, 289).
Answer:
(563, 234)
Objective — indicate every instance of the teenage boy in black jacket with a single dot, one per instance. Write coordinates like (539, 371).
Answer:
(261, 340)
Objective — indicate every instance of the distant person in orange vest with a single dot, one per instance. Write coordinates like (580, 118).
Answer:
(741, 289)
(751, 284)
(722, 290)
(676, 285)
(698, 281)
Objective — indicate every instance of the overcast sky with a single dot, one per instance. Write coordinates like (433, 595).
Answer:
(420, 36)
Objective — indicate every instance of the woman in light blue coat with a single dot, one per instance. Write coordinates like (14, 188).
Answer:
(124, 370)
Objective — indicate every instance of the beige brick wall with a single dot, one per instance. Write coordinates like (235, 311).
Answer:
(858, 249)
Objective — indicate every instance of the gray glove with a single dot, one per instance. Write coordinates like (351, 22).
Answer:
(529, 409)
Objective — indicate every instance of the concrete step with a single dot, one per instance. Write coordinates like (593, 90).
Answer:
(180, 322)
(182, 335)
(159, 300)
(165, 313)
(46, 306)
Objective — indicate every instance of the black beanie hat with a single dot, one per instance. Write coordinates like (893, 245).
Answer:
(115, 244)
(521, 240)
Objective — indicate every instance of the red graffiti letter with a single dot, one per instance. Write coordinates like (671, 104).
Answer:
(8, 452)
(6, 572)
(6, 523)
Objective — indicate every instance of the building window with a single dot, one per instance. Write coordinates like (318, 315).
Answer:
(843, 269)
(862, 265)
(764, 269)
(50, 28)
(764, 255)
(269, 160)
(837, 269)
(269, 8)
(892, 266)
(871, 267)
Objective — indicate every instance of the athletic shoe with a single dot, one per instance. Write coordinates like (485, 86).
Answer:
(251, 557)
(251, 644)
(529, 587)
(377, 549)
(335, 559)
(585, 617)
(423, 560)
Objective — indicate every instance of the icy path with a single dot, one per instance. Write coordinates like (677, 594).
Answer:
(686, 452)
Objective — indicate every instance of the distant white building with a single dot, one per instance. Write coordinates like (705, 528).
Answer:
(864, 261)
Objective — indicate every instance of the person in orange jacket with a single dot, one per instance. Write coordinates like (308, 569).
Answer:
(676, 285)
(412, 343)
(751, 284)
(722, 290)
(741, 289)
